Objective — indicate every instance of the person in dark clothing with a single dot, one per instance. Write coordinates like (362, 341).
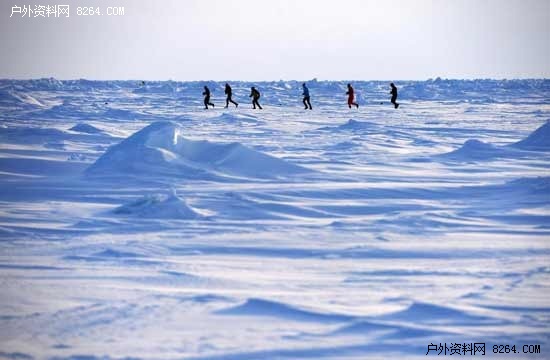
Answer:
(306, 97)
(255, 95)
(206, 94)
(350, 94)
(229, 93)
(393, 93)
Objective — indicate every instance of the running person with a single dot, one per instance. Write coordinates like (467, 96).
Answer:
(206, 94)
(306, 100)
(393, 93)
(350, 94)
(229, 93)
(255, 95)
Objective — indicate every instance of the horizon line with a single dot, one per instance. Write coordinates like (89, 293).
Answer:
(283, 80)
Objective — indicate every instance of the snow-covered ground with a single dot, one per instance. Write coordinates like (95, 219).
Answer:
(133, 223)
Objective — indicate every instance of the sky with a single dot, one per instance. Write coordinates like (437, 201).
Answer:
(188, 40)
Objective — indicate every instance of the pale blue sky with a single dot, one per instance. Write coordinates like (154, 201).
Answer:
(281, 39)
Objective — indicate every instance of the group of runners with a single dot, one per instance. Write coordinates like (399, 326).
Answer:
(255, 95)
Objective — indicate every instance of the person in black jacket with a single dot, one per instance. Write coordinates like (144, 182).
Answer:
(306, 99)
(255, 95)
(229, 94)
(206, 94)
(393, 93)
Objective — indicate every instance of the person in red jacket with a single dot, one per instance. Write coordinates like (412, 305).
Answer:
(351, 97)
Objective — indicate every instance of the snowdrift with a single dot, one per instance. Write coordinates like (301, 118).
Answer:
(269, 308)
(229, 118)
(160, 150)
(537, 186)
(474, 150)
(539, 140)
(158, 207)
(34, 135)
(86, 129)
(419, 312)
(14, 98)
(351, 125)
(65, 110)
(388, 331)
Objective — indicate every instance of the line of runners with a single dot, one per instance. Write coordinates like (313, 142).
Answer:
(255, 95)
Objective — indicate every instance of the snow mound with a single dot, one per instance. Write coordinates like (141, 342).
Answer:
(355, 125)
(352, 125)
(261, 307)
(344, 145)
(65, 110)
(86, 128)
(390, 330)
(475, 150)
(539, 140)
(158, 207)
(160, 149)
(235, 118)
(114, 253)
(419, 312)
(364, 327)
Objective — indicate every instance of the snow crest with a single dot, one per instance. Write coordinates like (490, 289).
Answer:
(86, 129)
(539, 140)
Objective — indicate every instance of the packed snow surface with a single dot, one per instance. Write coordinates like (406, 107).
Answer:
(135, 224)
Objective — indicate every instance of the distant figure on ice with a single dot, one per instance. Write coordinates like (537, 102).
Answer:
(229, 94)
(393, 93)
(255, 95)
(206, 94)
(306, 97)
(351, 97)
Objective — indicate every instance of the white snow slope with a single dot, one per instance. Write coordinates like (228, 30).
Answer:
(135, 224)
